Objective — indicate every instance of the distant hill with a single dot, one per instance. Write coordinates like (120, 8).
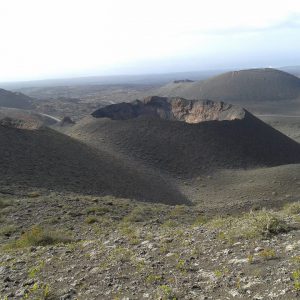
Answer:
(14, 100)
(295, 70)
(253, 85)
(44, 158)
(187, 138)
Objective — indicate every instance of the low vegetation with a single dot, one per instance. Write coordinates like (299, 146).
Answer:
(39, 236)
(153, 250)
(255, 224)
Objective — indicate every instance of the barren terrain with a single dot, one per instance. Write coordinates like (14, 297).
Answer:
(157, 199)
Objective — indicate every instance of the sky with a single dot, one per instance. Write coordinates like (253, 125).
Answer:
(43, 39)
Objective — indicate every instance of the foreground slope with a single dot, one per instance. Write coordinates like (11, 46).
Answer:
(159, 133)
(253, 85)
(62, 246)
(47, 159)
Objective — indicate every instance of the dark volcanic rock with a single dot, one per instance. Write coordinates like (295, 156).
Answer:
(175, 109)
(66, 121)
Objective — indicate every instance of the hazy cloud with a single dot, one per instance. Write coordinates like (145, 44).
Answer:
(52, 38)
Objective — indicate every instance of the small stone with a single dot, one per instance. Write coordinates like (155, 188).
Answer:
(227, 251)
(32, 249)
(170, 254)
(238, 261)
(150, 246)
(258, 249)
(28, 282)
(95, 270)
(20, 293)
(289, 247)
(7, 279)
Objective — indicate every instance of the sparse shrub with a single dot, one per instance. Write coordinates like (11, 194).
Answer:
(91, 220)
(170, 224)
(297, 286)
(98, 210)
(218, 273)
(181, 265)
(267, 254)
(250, 258)
(140, 214)
(251, 225)
(39, 291)
(33, 194)
(296, 278)
(296, 275)
(139, 265)
(296, 259)
(8, 230)
(153, 279)
(200, 220)
(53, 220)
(120, 255)
(130, 233)
(164, 249)
(4, 203)
(268, 223)
(166, 293)
(221, 272)
(38, 236)
(32, 272)
(178, 211)
(292, 208)
(238, 283)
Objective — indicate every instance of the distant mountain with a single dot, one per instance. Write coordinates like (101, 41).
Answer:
(14, 100)
(253, 85)
(295, 70)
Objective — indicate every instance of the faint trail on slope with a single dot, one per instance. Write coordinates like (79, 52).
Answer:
(51, 117)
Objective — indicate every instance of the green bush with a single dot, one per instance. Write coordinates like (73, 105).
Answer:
(267, 254)
(140, 214)
(97, 210)
(293, 208)
(251, 225)
(38, 236)
(8, 230)
(91, 220)
(3, 203)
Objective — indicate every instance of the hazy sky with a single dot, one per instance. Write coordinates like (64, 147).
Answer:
(65, 38)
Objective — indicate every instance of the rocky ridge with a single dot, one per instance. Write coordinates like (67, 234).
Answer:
(174, 109)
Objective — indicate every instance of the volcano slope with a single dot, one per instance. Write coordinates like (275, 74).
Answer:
(242, 87)
(170, 135)
(44, 158)
(195, 146)
(26, 119)
(14, 100)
